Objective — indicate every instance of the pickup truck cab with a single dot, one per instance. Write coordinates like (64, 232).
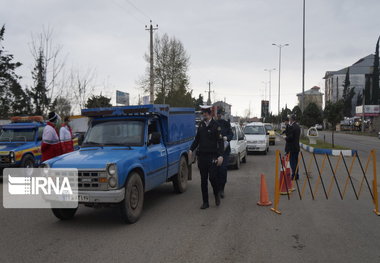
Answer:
(20, 142)
(128, 151)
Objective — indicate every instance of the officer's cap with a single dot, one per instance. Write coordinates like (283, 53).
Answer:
(206, 108)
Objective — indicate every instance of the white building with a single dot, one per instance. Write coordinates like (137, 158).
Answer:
(226, 107)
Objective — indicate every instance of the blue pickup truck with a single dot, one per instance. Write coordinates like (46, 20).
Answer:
(20, 142)
(128, 151)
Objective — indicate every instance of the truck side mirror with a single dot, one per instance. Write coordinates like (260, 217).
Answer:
(155, 138)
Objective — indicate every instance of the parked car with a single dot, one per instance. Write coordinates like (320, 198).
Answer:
(272, 134)
(238, 146)
(257, 137)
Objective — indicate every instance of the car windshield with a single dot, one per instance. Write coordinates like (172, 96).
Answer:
(234, 132)
(254, 130)
(268, 127)
(18, 135)
(115, 133)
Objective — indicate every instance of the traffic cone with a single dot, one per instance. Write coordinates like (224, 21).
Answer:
(285, 180)
(289, 174)
(264, 199)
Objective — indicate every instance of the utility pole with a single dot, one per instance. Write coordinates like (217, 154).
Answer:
(151, 79)
(363, 110)
(303, 61)
(280, 46)
(209, 92)
(270, 85)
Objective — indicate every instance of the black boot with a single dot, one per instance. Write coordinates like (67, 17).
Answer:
(217, 199)
(204, 206)
(222, 192)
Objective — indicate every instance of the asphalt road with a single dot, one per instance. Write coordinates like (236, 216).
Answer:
(363, 144)
(174, 229)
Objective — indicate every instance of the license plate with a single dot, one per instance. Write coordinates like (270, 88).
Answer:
(83, 198)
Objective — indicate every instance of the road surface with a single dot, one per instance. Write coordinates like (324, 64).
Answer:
(174, 229)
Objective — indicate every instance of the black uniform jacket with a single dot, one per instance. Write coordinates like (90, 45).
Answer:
(226, 130)
(209, 139)
(293, 138)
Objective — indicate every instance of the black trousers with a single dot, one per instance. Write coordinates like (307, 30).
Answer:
(222, 171)
(208, 171)
(293, 159)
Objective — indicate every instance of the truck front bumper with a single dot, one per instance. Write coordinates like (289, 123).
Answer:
(111, 196)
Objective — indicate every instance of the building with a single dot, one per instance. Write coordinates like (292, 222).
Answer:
(360, 73)
(226, 107)
(311, 95)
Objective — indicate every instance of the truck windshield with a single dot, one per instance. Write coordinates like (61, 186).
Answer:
(115, 133)
(254, 130)
(17, 135)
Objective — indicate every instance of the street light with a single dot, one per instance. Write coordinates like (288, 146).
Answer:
(270, 85)
(280, 46)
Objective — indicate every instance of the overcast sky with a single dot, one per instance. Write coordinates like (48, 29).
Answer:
(229, 41)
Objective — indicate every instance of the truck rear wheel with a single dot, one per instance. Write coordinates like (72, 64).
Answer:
(64, 213)
(132, 205)
(180, 179)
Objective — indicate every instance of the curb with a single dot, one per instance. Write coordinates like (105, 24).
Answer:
(327, 151)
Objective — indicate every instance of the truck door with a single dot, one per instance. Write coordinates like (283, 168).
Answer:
(156, 158)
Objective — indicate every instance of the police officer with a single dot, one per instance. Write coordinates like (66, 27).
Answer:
(227, 134)
(210, 154)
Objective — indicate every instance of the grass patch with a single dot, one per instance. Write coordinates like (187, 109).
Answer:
(322, 145)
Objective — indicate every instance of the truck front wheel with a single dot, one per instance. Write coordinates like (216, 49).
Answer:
(132, 205)
(180, 179)
(64, 213)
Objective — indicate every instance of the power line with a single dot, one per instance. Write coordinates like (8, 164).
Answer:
(137, 9)
(128, 12)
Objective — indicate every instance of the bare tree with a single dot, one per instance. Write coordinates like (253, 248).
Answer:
(53, 61)
(82, 87)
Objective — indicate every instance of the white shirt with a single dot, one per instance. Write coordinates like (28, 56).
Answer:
(49, 135)
(64, 134)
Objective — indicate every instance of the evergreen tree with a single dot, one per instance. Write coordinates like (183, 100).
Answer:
(311, 115)
(198, 102)
(39, 92)
(297, 112)
(61, 106)
(375, 77)
(98, 102)
(13, 99)
(348, 94)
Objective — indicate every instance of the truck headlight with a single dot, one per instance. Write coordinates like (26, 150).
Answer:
(112, 182)
(111, 169)
(112, 175)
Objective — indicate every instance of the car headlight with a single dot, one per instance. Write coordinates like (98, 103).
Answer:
(261, 142)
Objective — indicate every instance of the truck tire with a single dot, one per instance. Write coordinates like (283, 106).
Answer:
(27, 161)
(180, 179)
(64, 213)
(132, 205)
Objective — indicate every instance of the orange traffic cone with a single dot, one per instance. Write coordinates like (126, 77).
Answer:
(264, 199)
(285, 180)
